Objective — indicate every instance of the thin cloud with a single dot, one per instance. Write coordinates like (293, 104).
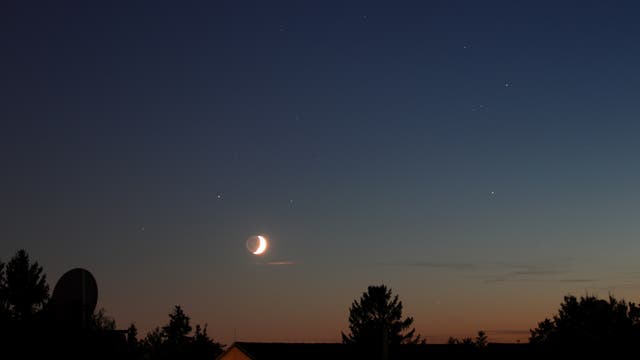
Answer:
(579, 280)
(279, 263)
(496, 272)
(514, 268)
(528, 273)
(613, 287)
(537, 272)
(447, 265)
(539, 280)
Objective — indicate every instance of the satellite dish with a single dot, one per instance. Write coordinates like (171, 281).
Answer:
(74, 299)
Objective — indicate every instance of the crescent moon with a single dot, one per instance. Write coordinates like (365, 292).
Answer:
(262, 247)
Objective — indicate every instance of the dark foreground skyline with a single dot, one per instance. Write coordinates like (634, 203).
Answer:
(479, 158)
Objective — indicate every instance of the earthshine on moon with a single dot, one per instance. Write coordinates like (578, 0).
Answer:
(257, 245)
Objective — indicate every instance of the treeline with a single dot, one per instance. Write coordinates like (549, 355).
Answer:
(26, 329)
(585, 325)
(175, 340)
(582, 326)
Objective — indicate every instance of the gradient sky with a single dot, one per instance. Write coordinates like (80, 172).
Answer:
(478, 157)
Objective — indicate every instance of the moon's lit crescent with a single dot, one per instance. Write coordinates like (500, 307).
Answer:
(262, 247)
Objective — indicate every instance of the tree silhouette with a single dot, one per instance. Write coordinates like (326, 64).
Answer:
(173, 341)
(203, 347)
(101, 321)
(376, 319)
(4, 304)
(175, 335)
(152, 344)
(178, 329)
(25, 290)
(468, 342)
(482, 340)
(590, 323)
(132, 334)
(133, 344)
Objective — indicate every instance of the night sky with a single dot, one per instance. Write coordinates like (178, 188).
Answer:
(478, 157)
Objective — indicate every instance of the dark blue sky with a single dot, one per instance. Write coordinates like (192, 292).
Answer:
(438, 146)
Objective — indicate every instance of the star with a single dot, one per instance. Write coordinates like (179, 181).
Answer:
(219, 196)
(507, 84)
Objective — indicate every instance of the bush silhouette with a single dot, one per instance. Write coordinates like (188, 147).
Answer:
(590, 323)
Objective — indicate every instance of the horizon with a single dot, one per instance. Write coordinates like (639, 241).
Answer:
(477, 158)
(514, 335)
